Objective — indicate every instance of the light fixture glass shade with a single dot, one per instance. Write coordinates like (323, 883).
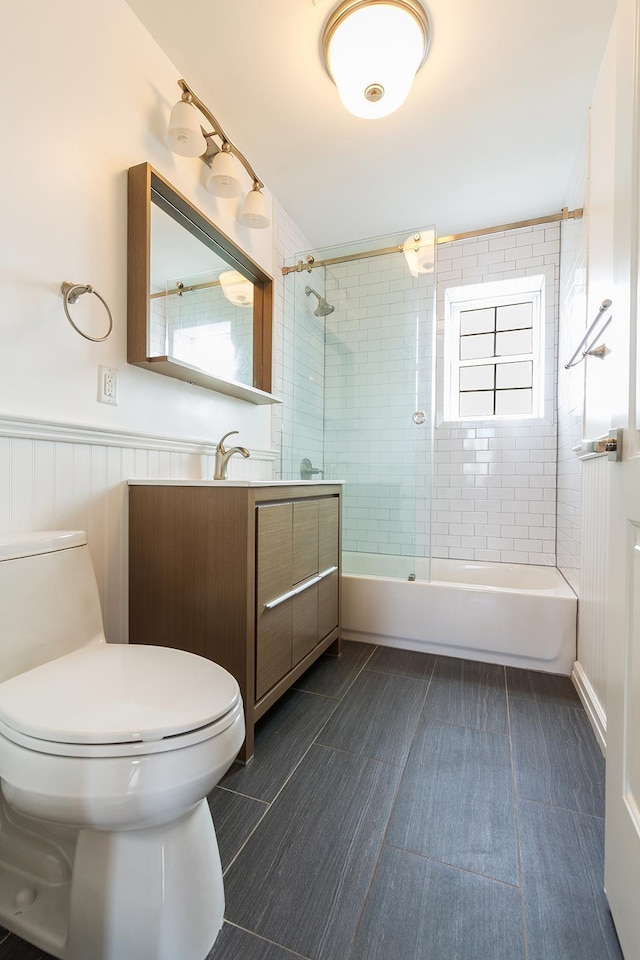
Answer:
(184, 135)
(236, 288)
(373, 52)
(254, 211)
(223, 180)
(419, 252)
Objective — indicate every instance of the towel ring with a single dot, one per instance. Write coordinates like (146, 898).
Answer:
(71, 292)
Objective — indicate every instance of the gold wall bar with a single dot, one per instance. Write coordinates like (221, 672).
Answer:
(565, 214)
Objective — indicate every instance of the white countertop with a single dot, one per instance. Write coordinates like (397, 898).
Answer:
(172, 482)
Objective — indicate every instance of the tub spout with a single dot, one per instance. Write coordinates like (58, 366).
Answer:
(223, 456)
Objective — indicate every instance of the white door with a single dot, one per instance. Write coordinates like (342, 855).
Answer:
(622, 823)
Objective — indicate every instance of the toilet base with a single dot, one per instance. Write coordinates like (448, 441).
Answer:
(153, 894)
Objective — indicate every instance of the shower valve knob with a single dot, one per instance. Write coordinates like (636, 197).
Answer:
(419, 417)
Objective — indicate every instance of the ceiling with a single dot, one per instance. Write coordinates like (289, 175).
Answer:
(489, 134)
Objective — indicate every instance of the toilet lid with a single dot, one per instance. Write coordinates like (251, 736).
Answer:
(117, 693)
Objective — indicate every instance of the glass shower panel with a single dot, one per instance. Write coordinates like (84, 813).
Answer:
(306, 460)
(362, 410)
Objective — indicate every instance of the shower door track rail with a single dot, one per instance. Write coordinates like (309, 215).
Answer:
(310, 263)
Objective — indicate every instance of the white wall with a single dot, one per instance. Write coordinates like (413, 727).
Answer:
(602, 384)
(572, 324)
(89, 93)
(602, 390)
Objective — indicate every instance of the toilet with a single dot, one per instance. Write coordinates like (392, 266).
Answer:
(107, 754)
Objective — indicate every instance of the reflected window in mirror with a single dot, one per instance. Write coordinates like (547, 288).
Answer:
(201, 312)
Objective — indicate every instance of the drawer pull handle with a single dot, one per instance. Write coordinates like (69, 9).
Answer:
(292, 593)
(300, 588)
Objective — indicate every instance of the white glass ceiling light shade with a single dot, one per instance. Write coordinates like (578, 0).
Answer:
(373, 50)
(223, 180)
(419, 252)
(254, 211)
(188, 138)
(236, 288)
(184, 135)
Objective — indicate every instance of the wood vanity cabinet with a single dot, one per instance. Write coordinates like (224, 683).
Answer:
(248, 576)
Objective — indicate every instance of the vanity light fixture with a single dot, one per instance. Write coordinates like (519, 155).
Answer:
(188, 138)
(372, 51)
(224, 180)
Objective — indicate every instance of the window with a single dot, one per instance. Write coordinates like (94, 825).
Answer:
(494, 350)
(207, 345)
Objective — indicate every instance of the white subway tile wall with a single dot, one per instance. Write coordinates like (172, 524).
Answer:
(498, 494)
(495, 480)
(485, 490)
(377, 375)
(298, 364)
(177, 319)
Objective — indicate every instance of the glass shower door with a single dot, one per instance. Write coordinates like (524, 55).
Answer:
(362, 395)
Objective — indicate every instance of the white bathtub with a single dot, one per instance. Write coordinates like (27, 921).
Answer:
(516, 614)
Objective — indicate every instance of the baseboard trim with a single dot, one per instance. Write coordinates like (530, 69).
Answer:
(595, 710)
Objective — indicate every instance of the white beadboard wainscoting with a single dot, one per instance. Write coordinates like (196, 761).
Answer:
(55, 476)
(590, 671)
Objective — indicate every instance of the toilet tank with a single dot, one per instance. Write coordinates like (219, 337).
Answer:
(49, 603)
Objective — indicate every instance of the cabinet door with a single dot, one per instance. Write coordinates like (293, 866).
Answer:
(305, 539)
(327, 605)
(305, 623)
(274, 571)
(328, 556)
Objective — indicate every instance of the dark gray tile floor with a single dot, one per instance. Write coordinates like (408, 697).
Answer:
(402, 806)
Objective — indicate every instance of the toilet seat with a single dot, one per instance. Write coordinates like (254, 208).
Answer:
(118, 700)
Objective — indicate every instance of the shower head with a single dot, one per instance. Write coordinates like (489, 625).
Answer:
(323, 309)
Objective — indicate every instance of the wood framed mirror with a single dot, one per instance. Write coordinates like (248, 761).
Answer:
(198, 308)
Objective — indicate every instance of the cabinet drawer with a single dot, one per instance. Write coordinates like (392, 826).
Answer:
(274, 556)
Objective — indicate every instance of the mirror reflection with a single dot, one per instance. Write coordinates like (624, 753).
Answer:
(201, 312)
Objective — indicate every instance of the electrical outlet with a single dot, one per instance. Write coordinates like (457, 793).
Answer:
(108, 385)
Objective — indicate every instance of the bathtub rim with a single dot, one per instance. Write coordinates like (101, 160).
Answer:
(561, 590)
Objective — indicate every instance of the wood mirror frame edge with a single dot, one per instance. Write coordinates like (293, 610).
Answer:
(142, 181)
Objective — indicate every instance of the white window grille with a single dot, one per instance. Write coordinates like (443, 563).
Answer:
(494, 350)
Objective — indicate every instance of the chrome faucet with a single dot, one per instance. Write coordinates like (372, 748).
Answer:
(307, 469)
(223, 456)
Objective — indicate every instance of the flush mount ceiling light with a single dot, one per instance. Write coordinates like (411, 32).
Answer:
(373, 50)
(188, 138)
